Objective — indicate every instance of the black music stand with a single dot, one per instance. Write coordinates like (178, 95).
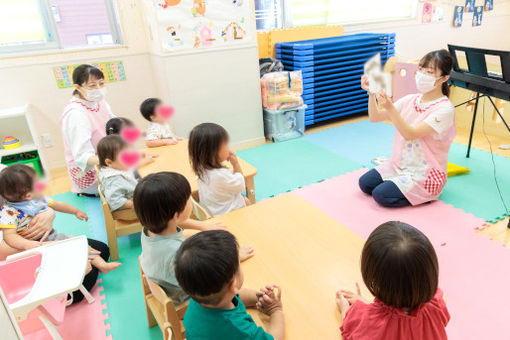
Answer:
(478, 79)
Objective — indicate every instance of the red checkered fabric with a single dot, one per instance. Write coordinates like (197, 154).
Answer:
(435, 181)
(82, 180)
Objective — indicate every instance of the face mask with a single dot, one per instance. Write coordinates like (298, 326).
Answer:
(95, 95)
(424, 82)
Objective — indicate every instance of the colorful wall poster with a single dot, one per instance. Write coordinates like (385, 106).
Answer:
(477, 16)
(458, 16)
(197, 24)
(427, 12)
(112, 70)
(470, 6)
(489, 5)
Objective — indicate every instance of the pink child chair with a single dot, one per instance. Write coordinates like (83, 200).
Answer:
(36, 283)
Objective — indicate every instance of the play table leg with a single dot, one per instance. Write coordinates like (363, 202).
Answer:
(250, 189)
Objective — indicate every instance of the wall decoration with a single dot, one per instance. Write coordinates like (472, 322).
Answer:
(196, 24)
(112, 70)
(458, 16)
(477, 16)
(174, 36)
(426, 16)
(198, 8)
(489, 5)
(203, 35)
(169, 3)
(470, 6)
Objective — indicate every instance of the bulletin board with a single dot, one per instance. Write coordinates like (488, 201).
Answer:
(202, 24)
(112, 70)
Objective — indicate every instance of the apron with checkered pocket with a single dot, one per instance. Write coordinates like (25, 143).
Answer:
(85, 181)
(418, 167)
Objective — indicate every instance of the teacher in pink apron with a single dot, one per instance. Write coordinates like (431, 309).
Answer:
(425, 129)
(83, 125)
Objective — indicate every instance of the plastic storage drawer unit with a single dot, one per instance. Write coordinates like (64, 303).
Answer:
(285, 124)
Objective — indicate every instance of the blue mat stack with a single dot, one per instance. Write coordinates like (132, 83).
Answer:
(332, 68)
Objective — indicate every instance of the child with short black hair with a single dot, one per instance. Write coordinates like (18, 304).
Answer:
(158, 132)
(115, 125)
(400, 268)
(207, 268)
(24, 200)
(163, 205)
(220, 190)
(117, 180)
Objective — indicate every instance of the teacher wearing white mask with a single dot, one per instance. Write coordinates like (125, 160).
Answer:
(83, 125)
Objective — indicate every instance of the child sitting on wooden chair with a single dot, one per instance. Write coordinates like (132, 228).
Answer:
(163, 205)
(207, 268)
(117, 180)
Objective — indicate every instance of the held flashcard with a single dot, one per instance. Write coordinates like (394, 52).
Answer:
(378, 80)
(458, 16)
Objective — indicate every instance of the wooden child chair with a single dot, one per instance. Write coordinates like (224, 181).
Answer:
(199, 212)
(161, 310)
(114, 227)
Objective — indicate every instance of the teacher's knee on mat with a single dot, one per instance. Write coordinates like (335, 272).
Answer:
(388, 194)
(369, 181)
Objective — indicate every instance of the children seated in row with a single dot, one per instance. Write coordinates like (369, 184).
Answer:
(400, 268)
(219, 188)
(23, 200)
(207, 268)
(158, 132)
(163, 205)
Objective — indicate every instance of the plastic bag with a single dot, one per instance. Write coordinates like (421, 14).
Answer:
(281, 90)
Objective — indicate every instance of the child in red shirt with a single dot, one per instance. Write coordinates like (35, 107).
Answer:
(399, 267)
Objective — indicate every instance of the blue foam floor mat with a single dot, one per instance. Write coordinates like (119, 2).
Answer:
(359, 142)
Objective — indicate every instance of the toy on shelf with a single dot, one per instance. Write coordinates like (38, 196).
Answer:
(10, 143)
(281, 90)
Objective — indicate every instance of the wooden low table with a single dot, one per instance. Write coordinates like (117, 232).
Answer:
(307, 253)
(175, 158)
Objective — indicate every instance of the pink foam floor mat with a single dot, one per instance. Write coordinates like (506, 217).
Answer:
(81, 321)
(474, 270)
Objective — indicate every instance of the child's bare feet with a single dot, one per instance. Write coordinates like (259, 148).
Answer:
(107, 267)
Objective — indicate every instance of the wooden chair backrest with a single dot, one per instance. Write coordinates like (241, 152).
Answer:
(200, 213)
(172, 315)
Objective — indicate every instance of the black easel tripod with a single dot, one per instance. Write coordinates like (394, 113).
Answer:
(478, 79)
(476, 99)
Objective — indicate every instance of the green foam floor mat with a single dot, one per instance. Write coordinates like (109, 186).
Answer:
(124, 297)
(69, 224)
(285, 166)
(476, 192)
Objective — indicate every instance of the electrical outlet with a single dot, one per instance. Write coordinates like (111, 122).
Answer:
(46, 140)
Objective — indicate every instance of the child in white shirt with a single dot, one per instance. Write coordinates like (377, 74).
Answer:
(159, 132)
(220, 190)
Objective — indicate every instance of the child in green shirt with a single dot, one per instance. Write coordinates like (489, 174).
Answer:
(208, 269)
